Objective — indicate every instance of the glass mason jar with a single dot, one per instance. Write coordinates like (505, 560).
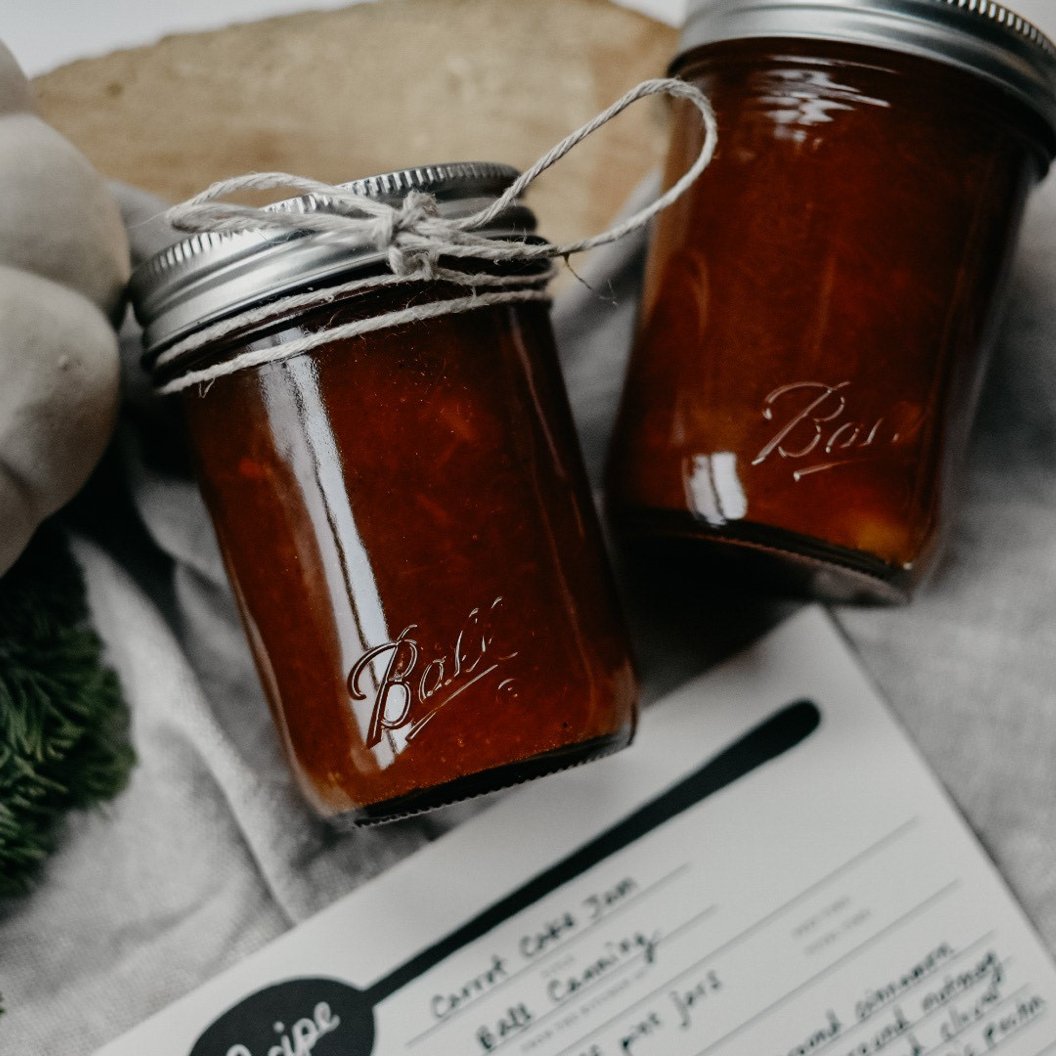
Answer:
(404, 516)
(818, 309)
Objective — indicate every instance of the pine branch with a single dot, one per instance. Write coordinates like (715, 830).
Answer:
(63, 723)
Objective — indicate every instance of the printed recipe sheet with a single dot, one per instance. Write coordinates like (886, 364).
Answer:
(771, 870)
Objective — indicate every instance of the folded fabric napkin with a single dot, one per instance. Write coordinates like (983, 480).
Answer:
(210, 853)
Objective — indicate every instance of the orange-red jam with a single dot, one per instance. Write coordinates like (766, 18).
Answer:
(410, 537)
(818, 309)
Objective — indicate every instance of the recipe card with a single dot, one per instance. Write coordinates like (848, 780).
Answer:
(771, 870)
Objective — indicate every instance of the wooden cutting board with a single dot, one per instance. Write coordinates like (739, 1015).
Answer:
(377, 86)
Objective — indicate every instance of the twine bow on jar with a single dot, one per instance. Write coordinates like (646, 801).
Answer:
(418, 242)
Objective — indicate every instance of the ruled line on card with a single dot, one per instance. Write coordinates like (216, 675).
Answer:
(560, 946)
(919, 908)
(944, 966)
(856, 859)
(601, 979)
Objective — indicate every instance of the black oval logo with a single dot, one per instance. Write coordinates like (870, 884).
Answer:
(298, 1017)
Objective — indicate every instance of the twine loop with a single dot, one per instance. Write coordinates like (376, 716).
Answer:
(414, 237)
(396, 231)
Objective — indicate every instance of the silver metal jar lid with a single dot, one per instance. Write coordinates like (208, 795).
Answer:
(208, 277)
(981, 36)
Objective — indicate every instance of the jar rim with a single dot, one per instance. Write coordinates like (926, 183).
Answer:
(980, 36)
(206, 277)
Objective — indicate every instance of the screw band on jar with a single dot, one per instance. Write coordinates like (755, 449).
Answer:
(274, 310)
(417, 243)
(986, 38)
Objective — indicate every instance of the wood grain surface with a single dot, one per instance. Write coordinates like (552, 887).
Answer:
(372, 87)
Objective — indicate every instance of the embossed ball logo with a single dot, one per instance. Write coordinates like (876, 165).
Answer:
(299, 1017)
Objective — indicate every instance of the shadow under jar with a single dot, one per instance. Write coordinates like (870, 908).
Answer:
(818, 309)
(403, 515)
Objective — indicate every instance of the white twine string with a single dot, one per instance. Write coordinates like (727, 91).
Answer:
(282, 306)
(414, 238)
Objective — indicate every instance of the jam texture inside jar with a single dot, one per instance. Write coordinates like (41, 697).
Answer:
(817, 311)
(410, 537)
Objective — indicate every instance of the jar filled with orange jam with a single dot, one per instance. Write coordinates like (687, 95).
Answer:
(403, 514)
(818, 310)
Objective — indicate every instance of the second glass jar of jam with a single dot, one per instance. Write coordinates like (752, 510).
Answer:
(403, 515)
(818, 309)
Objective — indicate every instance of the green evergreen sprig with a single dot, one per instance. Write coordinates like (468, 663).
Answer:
(63, 722)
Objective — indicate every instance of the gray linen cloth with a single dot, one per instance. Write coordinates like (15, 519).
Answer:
(210, 853)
